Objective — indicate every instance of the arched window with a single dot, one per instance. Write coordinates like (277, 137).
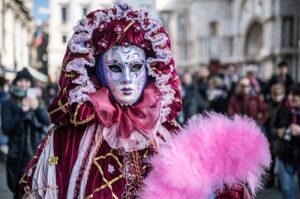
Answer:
(253, 40)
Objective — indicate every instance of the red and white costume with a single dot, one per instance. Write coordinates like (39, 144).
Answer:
(96, 147)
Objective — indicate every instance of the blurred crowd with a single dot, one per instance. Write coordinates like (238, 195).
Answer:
(24, 121)
(274, 104)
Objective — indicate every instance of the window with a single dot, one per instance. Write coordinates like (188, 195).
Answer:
(288, 32)
(214, 28)
(254, 40)
(64, 39)
(84, 11)
(183, 35)
(64, 14)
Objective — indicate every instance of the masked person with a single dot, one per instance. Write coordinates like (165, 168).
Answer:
(26, 124)
(118, 99)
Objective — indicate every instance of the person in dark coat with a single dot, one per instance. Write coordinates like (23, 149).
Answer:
(3, 96)
(281, 77)
(287, 144)
(25, 123)
(202, 76)
(277, 98)
(216, 95)
(230, 79)
(192, 102)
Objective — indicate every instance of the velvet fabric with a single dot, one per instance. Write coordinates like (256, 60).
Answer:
(66, 146)
(26, 180)
(235, 192)
(107, 168)
(106, 178)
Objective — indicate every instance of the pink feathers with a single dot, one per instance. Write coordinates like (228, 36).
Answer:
(210, 151)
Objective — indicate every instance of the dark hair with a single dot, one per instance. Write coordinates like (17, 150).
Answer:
(23, 74)
(282, 64)
(2, 81)
(294, 89)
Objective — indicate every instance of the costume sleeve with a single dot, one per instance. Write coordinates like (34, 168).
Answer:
(62, 112)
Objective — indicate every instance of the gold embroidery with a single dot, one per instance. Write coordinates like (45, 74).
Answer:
(25, 174)
(146, 154)
(51, 130)
(119, 38)
(137, 168)
(76, 113)
(53, 160)
(109, 185)
(83, 121)
(71, 75)
(156, 70)
(60, 107)
(65, 90)
(109, 154)
(104, 186)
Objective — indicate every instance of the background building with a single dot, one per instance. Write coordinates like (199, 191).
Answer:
(244, 32)
(63, 16)
(16, 31)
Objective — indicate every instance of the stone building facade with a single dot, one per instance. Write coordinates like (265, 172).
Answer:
(64, 15)
(16, 33)
(243, 32)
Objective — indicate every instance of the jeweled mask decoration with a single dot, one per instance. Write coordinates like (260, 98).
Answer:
(123, 70)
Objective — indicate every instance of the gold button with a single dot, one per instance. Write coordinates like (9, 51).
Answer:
(53, 160)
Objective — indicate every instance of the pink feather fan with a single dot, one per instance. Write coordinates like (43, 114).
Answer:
(210, 152)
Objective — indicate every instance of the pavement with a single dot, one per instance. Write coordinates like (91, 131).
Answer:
(269, 194)
(4, 191)
(6, 194)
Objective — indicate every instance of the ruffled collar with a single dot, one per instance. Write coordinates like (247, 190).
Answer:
(141, 117)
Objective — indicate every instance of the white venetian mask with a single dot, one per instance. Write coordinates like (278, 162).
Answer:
(123, 71)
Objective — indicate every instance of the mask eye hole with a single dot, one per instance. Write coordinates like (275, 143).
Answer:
(136, 67)
(115, 68)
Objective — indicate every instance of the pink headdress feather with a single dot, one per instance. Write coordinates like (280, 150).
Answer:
(210, 152)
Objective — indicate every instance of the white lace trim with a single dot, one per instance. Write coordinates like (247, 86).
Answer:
(137, 140)
(83, 33)
(78, 94)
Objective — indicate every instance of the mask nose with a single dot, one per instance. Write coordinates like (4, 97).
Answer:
(126, 76)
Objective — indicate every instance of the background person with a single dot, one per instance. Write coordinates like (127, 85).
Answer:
(243, 102)
(287, 144)
(25, 123)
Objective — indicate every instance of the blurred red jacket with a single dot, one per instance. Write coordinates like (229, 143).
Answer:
(252, 106)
